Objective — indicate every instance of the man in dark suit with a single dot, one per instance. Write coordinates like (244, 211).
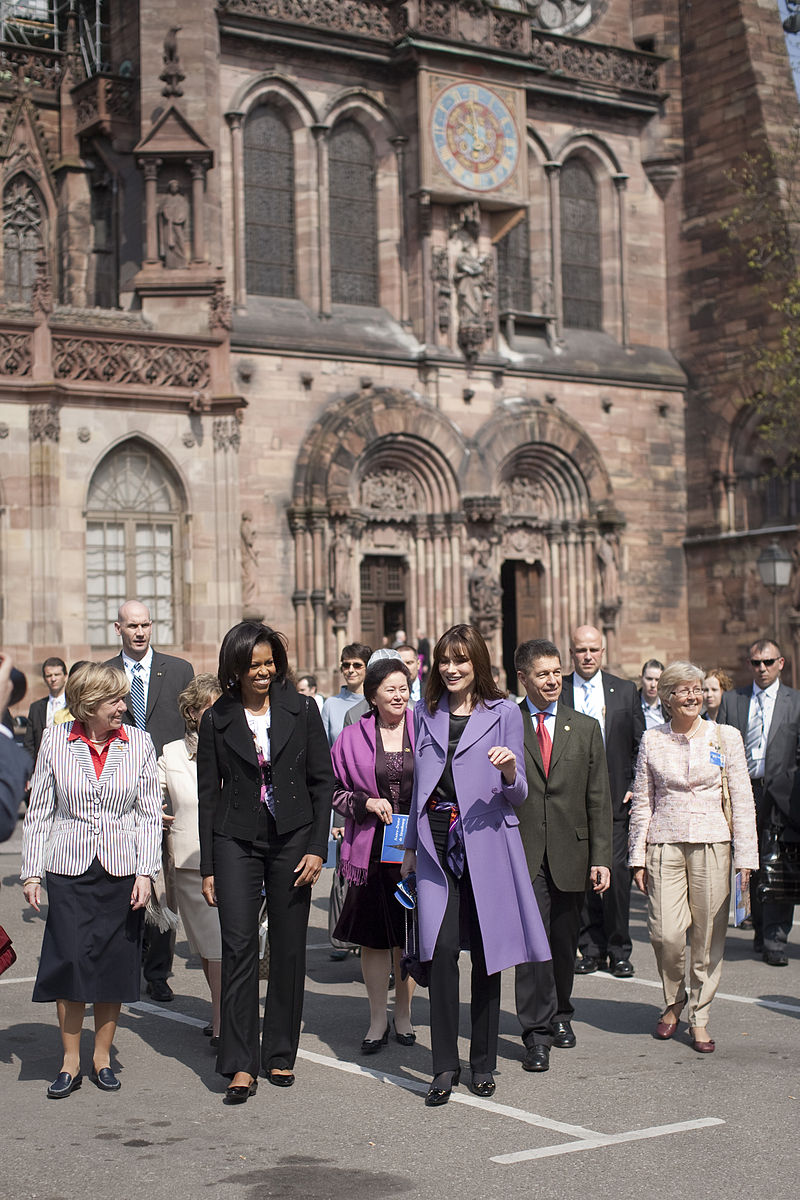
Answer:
(156, 682)
(566, 830)
(604, 939)
(15, 765)
(41, 712)
(767, 714)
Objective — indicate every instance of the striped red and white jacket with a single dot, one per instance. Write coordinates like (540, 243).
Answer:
(74, 817)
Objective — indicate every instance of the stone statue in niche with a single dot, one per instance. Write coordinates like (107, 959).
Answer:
(485, 595)
(173, 217)
(250, 577)
(441, 276)
(339, 565)
(473, 278)
(172, 76)
(607, 553)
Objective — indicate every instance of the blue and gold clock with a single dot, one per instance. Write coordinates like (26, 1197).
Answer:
(474, 136)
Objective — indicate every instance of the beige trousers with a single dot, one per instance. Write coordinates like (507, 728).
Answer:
(688, 888)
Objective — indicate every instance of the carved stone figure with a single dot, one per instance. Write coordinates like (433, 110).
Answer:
(485, 595)
(441, 277)
(607, 552)
(473, 277)
(523, 495)
(339, 566)
(173, 216)
(172, 76)
(391, 493)
(250, 579)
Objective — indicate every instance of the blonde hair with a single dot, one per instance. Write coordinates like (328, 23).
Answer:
(196, 694)
(90, 685)
(674, 676)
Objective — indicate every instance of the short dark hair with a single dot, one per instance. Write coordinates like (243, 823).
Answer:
(761, 645)
(654, 663)
(526, 653)
(54, 662)
(380, 670)
(464, 640)
(236, 653)
(311, 680)
(356, 650)
(406, 646)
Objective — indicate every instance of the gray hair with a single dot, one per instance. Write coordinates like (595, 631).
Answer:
(674, 676)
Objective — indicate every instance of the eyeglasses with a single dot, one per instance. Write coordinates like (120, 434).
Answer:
(685, 693)
(353, 666)
(762, 662)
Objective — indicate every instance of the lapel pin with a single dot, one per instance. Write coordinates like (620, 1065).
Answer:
(566, 729)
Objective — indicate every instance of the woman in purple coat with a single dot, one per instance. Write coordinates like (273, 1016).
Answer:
(473, 884)
(374, 765)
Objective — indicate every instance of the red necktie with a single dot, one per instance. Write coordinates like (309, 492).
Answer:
(545, 742)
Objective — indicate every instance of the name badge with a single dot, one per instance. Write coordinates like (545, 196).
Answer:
(717, 758)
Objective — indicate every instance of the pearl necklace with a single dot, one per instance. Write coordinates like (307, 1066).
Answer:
(391, 728)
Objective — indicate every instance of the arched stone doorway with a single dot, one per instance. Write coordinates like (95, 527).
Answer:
(515, 529)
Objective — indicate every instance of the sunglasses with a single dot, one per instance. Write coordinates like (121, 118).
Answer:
(762, 662)
(353, 666)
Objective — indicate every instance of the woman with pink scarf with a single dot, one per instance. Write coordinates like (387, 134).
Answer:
(373, 761)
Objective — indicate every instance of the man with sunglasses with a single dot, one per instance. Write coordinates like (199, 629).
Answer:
(767, 714)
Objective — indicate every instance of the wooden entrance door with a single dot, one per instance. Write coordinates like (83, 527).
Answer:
(383, 598)
(523, 610)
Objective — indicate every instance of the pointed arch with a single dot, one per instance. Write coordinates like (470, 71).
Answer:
(26, 238)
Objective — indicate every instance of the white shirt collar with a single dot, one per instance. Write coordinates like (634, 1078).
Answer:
(770, 691)
(146, 663)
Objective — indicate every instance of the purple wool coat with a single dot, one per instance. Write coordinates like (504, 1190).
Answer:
(509, 917)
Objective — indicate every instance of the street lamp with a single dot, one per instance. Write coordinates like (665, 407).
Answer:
(775, 568)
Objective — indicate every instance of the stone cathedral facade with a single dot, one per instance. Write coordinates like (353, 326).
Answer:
(369, 314)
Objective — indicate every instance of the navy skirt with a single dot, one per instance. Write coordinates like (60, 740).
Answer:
(92, 948)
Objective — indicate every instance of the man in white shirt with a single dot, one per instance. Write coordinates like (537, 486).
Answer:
(651, 705)
(42, 712)
(156, 681)
(767, 714)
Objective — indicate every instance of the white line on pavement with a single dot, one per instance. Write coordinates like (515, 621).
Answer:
(652, 983)
(157, 1011)
(602, 1139)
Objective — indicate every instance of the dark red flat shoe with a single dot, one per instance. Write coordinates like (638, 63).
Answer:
(703, 1047)
(664, 1030)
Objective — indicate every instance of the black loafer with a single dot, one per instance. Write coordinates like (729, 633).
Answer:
(280, 1080)
(482, 1084)
(588, 965)
(438, 1096)
(622, 968)
(563, 1037)
(63, 1085)
(775, 958)
(159, 989)
(105, 1079)
(240, 1094)
(537, 1058)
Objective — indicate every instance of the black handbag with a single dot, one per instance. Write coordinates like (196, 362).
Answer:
(779, 872)
(410, 962)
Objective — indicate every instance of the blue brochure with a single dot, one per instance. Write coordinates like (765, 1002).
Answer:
(393, 837)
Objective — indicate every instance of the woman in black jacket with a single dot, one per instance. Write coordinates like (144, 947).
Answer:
(264, 783)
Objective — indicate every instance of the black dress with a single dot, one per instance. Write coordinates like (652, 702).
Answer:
(370, 914)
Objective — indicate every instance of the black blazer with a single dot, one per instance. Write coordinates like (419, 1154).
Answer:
(15, 767)
(625, 725)
(37, 723)
(229, 777)
(783, 748)
(168, 677)
(568, 814)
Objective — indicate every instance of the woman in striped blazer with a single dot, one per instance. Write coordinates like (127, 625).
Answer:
(93, 828)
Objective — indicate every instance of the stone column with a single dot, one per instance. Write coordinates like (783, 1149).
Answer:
(621, 183)
(198, 170)
(235, 122)
(324, 221)
(553, 172)
(426, 285)
(151, 166)
(399, 143)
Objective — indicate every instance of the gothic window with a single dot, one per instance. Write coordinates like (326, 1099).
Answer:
(581, 276)
(269, 204)
(353, 216)
(514, 270)
(23, 238)
(133, 530)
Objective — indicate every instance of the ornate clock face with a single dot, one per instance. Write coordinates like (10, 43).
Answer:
(474, 136)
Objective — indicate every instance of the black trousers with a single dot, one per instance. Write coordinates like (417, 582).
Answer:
(444, 986)
(158, 953)
(544, 990)
(605, 920)
(241, 870)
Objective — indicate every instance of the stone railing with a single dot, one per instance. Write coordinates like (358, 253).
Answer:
(16, 353)
(33, 67)
(152, 364)
(106, 105)
(364, 18)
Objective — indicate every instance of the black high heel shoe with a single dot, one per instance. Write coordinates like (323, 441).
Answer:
(405, 1039)
(437, 1095)
(482, 1084)
(373, 1045)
